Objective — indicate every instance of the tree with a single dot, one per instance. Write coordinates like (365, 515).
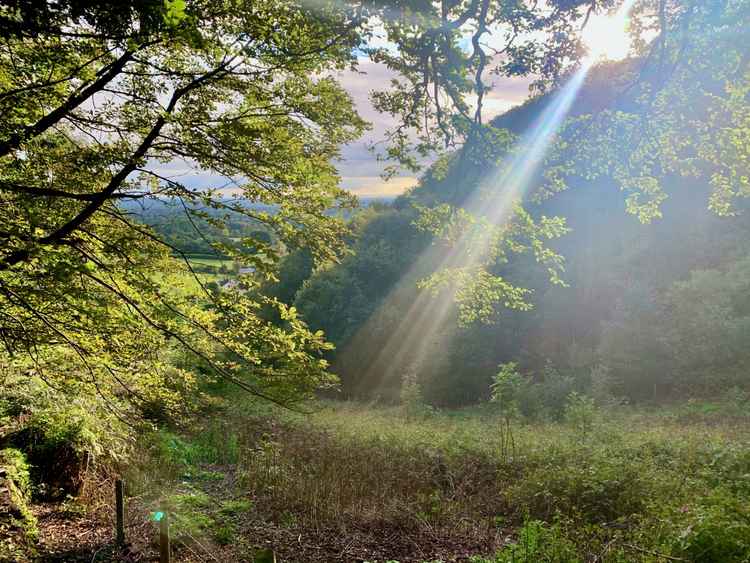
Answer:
(446, 52)
(95, 97)
(93, 100)
(678, 110)
(707, 328)
(681, 112)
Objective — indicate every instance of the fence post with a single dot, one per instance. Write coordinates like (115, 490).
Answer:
(119, 512)
(164, 548)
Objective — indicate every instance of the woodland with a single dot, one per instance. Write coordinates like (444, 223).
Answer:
(538, 353)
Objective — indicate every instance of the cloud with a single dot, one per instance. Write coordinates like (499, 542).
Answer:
(375, 186)
(359, 168)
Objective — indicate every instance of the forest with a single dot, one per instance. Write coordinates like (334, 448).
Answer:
(214, 347)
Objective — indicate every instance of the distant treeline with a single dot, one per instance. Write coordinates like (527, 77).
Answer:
(196, 236)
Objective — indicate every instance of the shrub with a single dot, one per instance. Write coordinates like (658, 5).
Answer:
(60, 443)
(599, 488)
(602, 385)
(213, 444)
(580, 412)
(412, 401)
(717, 530)
(505, 389)
(517, 394)
(60, 431)
(554, 391)
(198, 515)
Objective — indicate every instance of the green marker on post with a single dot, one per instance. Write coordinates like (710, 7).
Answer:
(165, 552)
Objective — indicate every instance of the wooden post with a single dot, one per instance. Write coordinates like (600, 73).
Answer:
(165, 555)
(119, 513)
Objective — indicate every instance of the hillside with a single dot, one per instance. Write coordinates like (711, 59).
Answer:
(616, 267)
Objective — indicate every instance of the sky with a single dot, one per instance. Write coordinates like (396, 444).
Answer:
(359, 168)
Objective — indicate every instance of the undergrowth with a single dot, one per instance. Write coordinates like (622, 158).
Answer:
(18, 526)
(629, 486)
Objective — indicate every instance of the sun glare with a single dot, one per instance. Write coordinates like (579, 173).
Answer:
(606, 36)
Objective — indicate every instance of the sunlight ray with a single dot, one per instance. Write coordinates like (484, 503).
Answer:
(423, 323)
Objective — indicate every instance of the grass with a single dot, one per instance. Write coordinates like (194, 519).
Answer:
(634, 485)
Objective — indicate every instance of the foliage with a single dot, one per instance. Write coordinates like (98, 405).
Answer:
(602, 386)
(89, 118)
(639, 488)
(506, 388)
(437, 69)
(199, 235)
(17, 523)
(555, 390)
(685, 115)
(536, 542)
(580, 412)
(614, 312)
(64, 431)
(689, 340)
(196, 515)
(476, 288)
(214, 444)
(550, 395)
(717, 530)
(241, 90)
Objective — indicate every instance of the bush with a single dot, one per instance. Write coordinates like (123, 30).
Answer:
(555, 390)
(61, 431)
(412, 401)
(517, 394)
(213, 444)
(60, 443)
(717, 530)
(602, 386)
(600, 488)
(505, 389)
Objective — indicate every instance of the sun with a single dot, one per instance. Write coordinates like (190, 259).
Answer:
(606, 36)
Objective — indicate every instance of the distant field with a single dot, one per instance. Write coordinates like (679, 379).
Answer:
(206, 270)
(213, 262)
